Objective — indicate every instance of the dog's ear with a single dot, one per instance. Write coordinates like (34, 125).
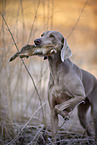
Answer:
(66, 51)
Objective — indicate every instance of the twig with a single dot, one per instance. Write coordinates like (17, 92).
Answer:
(44, 13)
(26, 124)
(23, 23)
(87, 127)
(77, 19)
(9, 31)
(48, 14)
(52, 14)
(36, 135)
(24, 64)
(74, 140)
(33, 21)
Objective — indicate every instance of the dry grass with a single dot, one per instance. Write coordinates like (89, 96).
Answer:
(6, 127)
(18, 96)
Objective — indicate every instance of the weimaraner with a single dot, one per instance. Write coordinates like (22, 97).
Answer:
(68, 84)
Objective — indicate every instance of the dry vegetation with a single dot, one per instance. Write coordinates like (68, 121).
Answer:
(24, 109)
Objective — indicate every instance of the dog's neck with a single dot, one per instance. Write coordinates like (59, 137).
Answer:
(55, 63)
(54, 59)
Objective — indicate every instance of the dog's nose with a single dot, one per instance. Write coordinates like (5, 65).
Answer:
(37, 41)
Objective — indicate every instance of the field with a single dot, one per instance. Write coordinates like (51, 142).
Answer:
(24, 108)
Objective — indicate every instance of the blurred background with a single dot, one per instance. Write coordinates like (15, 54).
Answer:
(27, 19)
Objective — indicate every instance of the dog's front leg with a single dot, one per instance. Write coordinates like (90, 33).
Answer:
(71, 103)
(54, 122)
(54, 116)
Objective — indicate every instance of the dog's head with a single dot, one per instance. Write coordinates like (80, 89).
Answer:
(53, 40)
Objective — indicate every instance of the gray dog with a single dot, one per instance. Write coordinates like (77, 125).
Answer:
(68, 84)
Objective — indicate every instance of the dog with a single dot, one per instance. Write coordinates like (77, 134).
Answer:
(68, 84)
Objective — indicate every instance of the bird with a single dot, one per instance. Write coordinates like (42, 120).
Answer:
(25, 51)
(29, 50)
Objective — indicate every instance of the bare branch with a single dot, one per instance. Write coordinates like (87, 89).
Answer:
(77, 19)
(27, 123)
(24, 64)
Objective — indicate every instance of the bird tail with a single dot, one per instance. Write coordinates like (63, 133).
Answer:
(14, 56)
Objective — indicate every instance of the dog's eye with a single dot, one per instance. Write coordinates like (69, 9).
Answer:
(52, 36)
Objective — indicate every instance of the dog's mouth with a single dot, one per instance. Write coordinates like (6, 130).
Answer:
(45, 50)
(48, 46)
(37, 45)
(44, 45)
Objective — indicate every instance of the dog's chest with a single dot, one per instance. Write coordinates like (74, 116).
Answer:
(58, 88)
(64, 81)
